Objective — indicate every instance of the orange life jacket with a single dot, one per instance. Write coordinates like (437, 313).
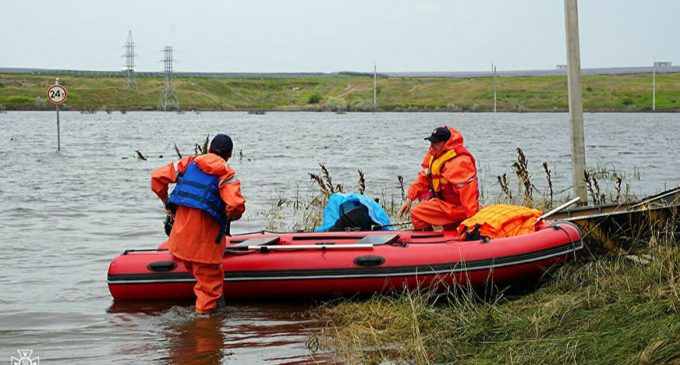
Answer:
(501, 220)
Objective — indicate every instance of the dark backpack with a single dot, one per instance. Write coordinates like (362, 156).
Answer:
(353, 217)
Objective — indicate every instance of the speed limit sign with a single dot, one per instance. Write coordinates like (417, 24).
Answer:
(56, 94)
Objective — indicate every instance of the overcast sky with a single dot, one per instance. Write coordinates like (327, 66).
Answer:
(327, 36)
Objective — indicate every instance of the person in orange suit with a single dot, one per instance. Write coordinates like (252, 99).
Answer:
(446, 186)
(206, 197)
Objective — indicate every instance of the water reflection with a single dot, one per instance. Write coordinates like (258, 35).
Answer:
(199, 340)
(241, 333)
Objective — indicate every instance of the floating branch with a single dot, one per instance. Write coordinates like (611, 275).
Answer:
(140, 155)
(179, 155)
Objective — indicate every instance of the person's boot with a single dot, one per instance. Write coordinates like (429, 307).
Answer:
(221, 303)
(219, 307)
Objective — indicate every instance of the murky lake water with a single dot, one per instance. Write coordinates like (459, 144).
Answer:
(65, 215)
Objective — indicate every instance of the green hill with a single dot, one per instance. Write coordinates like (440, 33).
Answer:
(602, 93)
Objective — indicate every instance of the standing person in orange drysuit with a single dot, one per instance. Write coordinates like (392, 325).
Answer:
(446, 185)
(207, 194)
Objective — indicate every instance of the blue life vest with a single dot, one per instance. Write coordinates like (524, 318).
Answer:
(339, 203)
(196, 189)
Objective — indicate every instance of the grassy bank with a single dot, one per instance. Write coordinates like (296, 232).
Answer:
(612, 309)
(602, 93)
(609, 311)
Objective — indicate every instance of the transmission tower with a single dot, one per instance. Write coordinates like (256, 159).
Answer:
(169, 99)
(130, 61)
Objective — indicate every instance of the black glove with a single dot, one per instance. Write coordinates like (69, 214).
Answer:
(169, 221)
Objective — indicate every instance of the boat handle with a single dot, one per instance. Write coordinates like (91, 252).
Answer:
(162, 266)
(369, 260)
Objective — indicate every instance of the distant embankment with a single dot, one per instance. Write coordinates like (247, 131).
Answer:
(25, 89)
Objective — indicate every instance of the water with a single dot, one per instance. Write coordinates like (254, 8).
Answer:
(66, 215)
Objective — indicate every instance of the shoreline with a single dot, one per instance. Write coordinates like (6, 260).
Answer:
(630, 93)
(83, 111)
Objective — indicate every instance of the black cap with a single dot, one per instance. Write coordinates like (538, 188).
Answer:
(221, 145)
(439, 134)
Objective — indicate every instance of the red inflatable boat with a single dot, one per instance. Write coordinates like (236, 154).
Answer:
(308, 265)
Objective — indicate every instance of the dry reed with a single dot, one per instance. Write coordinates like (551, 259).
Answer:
(401, 187)
(505, 186)
(521, 170)
(362, 182)
(548, 176)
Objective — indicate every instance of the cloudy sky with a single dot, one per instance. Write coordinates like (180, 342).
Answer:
(327, 36)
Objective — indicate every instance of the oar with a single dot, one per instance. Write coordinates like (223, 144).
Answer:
(373, 227)
(265, 248)
(556, 210)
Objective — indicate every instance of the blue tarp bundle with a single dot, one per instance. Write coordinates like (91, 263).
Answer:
(339, 203)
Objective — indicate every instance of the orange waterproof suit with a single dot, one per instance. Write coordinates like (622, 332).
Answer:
(447, 186)
(192, 239)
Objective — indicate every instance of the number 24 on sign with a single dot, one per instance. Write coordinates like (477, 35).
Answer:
(56, 94)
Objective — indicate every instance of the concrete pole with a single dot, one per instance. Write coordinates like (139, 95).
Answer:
(654, 87)
(578, 151)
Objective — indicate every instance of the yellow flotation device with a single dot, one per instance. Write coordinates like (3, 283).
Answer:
(436, 168)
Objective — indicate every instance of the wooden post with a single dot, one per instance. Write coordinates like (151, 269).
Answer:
(493, 68)
(578, 152)
(375, 87)
(654, 87)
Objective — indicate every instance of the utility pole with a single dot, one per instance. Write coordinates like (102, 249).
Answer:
(578, 151)
(493, 69)
(654, 87)
(169, 98)
(375, 87)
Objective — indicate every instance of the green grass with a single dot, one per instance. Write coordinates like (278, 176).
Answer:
(594, 310)
(346, 92)
(606, 311)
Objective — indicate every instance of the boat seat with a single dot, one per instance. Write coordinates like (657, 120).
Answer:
(382, 239)
(273, 240)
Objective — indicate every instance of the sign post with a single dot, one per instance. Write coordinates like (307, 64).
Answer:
(56, 95)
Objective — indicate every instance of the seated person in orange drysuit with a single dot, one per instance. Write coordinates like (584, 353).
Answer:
(206, 197)
(446, 185)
